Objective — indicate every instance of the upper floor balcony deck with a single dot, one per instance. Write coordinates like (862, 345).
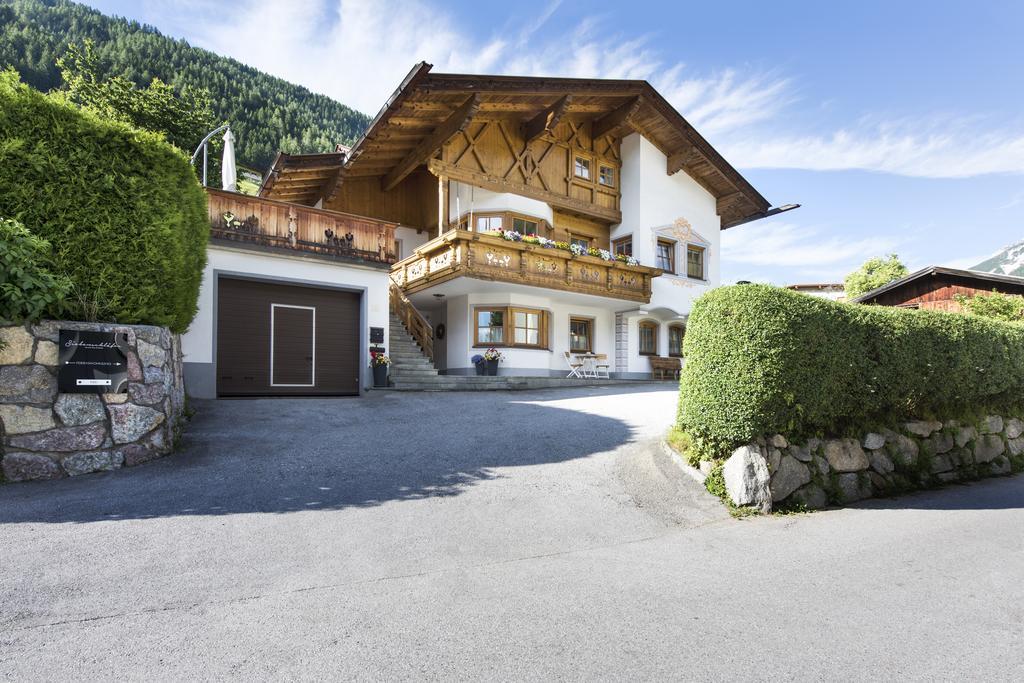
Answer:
(285, 227)
(485, 256)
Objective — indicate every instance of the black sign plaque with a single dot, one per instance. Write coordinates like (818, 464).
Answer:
(92, 362)
(376, 335)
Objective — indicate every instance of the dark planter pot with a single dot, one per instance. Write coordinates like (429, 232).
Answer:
(380, 375)
(492, 367)
(481, 369)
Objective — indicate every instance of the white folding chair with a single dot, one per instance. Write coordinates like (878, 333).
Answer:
(575, 365)
(601, 366)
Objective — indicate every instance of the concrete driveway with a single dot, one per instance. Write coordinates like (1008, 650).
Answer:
(480, 536)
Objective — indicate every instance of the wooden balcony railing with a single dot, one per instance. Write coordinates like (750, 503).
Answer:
(270, 223)
(488, 257)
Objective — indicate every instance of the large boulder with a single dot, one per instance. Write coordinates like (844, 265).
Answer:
(846, 455)
(747, 481)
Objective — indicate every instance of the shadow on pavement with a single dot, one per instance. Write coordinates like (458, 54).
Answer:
(1000, 493)
(286, 455)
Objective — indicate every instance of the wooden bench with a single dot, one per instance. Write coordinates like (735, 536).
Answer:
(661, 365)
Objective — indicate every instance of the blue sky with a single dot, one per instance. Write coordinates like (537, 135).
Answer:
(899, 126)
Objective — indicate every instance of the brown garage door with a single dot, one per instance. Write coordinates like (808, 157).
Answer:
(285, 340)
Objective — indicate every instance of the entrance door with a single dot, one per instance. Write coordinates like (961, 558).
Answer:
(286, 340)
(292, 345)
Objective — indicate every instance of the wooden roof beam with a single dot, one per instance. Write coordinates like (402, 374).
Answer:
(546, 121)
(456, 122)
(616, 119)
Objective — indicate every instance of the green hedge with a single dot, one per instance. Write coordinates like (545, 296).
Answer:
(763, 360)
(121, 208)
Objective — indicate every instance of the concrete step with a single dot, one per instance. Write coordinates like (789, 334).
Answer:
(407, 374)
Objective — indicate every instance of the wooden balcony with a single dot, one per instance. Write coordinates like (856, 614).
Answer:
(460, 253)
(282, 226)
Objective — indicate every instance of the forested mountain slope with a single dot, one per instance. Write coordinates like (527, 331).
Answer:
(267, 113)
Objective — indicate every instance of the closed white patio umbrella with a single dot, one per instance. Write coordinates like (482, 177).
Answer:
(228, 171)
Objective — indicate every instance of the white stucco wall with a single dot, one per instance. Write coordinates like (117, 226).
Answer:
(460, 324)
(410, 239)
(462, 198)
(198, 342)
(652, 201)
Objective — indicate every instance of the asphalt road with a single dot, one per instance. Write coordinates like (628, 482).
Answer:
(521, 536)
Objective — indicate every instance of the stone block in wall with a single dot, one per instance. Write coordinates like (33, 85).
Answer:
(62, 439)
(873, 441)
(853, 486)
(1014, 428)
(16, 345)
(130, 422)
(46, 353)
(18, 419)
(991, 424)
(988, 447)
(29, 466)
(846, 455)
(27, 384)
(1015, 446)
(79, 409)
(940, 442)
(790, 475)
(94, 461)
(922, 428)
(1000, 465)
(965, 435)
(151, 354)
(881, 462)
(811, 496)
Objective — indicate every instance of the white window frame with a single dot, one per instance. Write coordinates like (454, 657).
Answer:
(274, 306)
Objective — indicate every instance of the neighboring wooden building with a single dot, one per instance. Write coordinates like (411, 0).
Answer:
(460, 189)
(936, 288)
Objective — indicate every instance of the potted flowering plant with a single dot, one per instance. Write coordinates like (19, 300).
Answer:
(491, 359)
(478, 362)
(379, 362)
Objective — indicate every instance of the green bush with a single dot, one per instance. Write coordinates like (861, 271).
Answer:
(28, 288)
(120, 207)
(762, 360)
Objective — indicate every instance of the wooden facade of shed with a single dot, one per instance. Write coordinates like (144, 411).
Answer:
(937, 288)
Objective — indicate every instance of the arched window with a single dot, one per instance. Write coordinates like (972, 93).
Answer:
(648, 338)
(676, 332)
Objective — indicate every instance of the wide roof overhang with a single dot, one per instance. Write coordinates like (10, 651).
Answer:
(427, 105)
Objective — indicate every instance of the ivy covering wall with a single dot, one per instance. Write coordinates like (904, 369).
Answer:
(764, 360)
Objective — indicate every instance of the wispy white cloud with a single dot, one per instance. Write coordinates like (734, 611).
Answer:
(357, 51)
(952, 149)
(787, 253)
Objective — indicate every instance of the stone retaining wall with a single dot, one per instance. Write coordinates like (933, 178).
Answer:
(773, 472)
(49, 435)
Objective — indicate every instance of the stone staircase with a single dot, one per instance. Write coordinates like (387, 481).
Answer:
(411, 370)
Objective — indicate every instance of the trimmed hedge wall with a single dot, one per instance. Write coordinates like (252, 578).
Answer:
(120, 207)
(764, 360)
